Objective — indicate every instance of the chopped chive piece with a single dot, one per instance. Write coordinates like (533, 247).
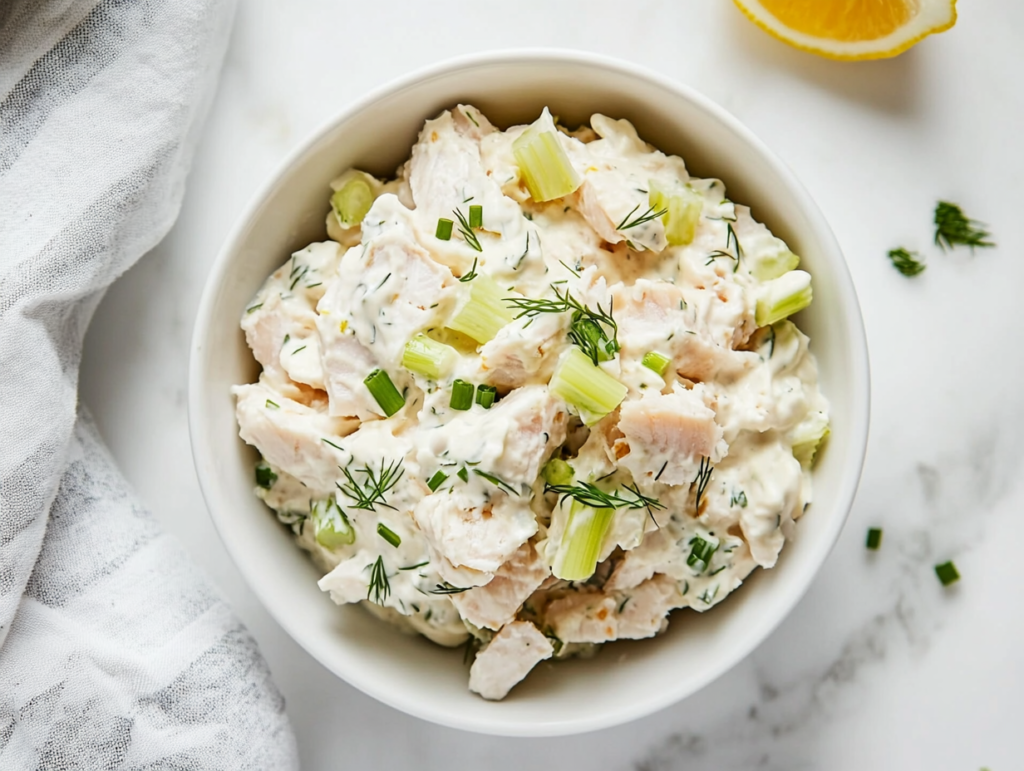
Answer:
(352, 201)
(265, 476)
(463, 474)
(874, 539)
(384, 391)
(484, 313)
(485, 395)
(444, 229)
(586, 387)
(330, 524)
(462, 395)
(389, 535)
(417, 565)
(436, 481)
(906, 262)
(681, 207)
(947, 573)
(656, 362)
(498, 482)
(808, 436)
(783, 296)
(953, 228)
(476, 216)
(558, 472)
(428, 357)
(272, 405)
(254, 308)
(542, 161)
(701, 553)
(576, 558)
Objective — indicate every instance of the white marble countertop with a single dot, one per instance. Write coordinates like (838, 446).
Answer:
(879, 666)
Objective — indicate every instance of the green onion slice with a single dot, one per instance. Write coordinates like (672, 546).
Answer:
(485, 395)
(476, 216)
(436, 481)
(462, 395)
(384, 392)
(389, 535)
(444, 229)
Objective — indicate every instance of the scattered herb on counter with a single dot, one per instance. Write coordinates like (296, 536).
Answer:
(874, 539)
(947, 573)
(906, 262)
(954, 228)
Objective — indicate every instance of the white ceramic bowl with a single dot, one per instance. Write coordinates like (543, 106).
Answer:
(627, 679)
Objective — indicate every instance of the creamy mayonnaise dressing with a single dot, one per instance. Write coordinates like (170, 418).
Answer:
(470, 556)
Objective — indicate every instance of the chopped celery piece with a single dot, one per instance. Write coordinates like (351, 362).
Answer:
(558, 472)
(485, 395)
(783, 296)
(484, 313)
(384, 392)
(545, 167)
(589, 389)
(808, 436)
(682, 211)
(428, 357)
(656, 362)
(330, 524)
(772, 264)
(265, 476)
(353, 197)
(462, 395)
(576, 558)
(444, 229)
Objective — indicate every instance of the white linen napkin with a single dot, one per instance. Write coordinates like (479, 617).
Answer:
(115, 652)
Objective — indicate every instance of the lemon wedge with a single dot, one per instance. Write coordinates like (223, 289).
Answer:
(851, 29)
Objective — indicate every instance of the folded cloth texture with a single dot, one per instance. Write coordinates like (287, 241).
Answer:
(115, 651)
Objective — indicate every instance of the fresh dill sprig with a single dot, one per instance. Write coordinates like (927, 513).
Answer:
(594, 331)
(596, 498)
(467, 232)
(641, 219)
(719, 253)
(954, 228)
(732, 238)
(376, 484)
(379, 587)
(501, 484)
(469, 276)
(446, 588)
(906, 262)
(701, 480)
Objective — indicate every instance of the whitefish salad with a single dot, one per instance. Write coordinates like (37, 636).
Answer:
(535, 392)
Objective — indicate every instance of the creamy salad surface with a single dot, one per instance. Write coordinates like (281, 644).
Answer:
(535, 393)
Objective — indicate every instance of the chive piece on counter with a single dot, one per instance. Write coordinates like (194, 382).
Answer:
(462, 395)
(464, 474)
(947, 573)
(485, 395)
(436, 481)
(265, 476)
(874, 538)
(389, 535)
(384, 392)
(656, 362)
(476, 216)
(444, 229)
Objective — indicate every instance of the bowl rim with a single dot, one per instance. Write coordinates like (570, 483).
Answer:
(859, 385)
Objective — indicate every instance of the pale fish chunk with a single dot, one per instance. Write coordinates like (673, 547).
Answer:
(507, 659)
(475, 533)
(290, 434)
(281, 319)
(666, 435)
(602, 616)
(525, 351)
(496, 604)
